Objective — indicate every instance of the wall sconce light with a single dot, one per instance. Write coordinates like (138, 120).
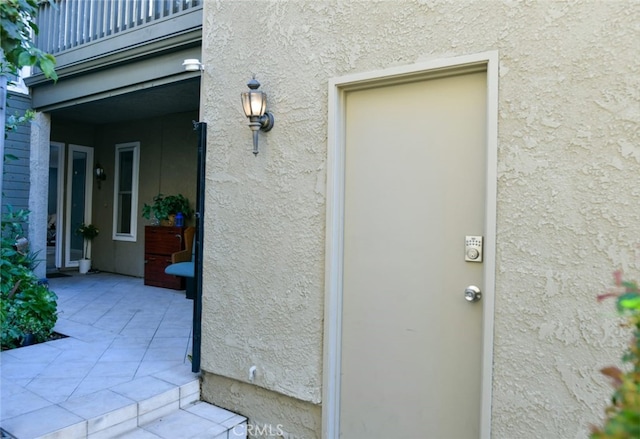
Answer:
(100, 175)
(192, 64)
(254, 104)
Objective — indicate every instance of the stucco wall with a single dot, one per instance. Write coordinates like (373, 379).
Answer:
(568, 186)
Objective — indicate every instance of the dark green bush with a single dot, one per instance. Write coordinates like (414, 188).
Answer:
(28, 306)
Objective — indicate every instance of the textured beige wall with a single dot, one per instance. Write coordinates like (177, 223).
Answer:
(568, 186)
(270, 413)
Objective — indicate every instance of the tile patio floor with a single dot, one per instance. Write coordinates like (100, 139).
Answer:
(123, 366)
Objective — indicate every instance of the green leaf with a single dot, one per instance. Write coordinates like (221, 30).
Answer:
(12, 30)
(35, 28)
(25, 59)
(629, 301)
(47, 65)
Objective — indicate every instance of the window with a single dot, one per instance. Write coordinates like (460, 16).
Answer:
(125, 197)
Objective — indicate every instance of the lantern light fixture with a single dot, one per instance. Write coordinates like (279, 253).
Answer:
(100, 175)
(254, 104)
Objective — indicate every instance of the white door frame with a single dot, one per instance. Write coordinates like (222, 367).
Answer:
(486, 61)
(88, 196)
(60, 214)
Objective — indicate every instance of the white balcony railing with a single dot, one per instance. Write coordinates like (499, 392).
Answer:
(72, 23)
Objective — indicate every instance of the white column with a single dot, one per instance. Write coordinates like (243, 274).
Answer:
(38, 188)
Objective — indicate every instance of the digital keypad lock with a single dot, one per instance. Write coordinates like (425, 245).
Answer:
(473, 249)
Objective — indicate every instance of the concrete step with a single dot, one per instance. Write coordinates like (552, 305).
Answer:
(145, 408)
(197, 420)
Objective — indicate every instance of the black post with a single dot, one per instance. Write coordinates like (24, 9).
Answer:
(201, 127)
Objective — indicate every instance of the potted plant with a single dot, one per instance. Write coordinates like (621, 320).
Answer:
(88, 232)
(164, 208)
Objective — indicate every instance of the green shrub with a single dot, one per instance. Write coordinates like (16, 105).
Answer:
(28, 306)
(623, 414)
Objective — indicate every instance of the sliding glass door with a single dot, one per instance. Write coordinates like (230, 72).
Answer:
(55, 203)
(79, 190)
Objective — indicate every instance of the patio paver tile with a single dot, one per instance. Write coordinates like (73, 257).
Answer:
(125, 342)
(179, 376)
(103, 409)
(166, 354)
(34, 353)
(55, 390)
(42, 421)
(104, 369)
(139, 433)
(67, 369)
(169, 342)
(143, 388)
(18, 370)
(152, 367)
(126, 351)
(96, 404)
(214, 414)
(20, 403)
(114, 431)
(183, 424)
(138, 332)
(123, 354)
(92, 385)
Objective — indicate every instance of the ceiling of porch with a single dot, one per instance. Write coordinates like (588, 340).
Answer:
(147, 103)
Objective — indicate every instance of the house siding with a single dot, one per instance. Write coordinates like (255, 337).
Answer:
(15, 185)
(568, 190)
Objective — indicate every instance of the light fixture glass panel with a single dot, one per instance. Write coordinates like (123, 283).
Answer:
(246, 103)
(258, 103)
(254, 103)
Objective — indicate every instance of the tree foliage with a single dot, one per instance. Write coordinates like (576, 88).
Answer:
(17, 26)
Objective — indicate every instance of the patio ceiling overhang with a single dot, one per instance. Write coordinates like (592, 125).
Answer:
(149, 102)
(134, 88)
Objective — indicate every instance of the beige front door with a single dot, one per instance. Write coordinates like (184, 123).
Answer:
(415, 175)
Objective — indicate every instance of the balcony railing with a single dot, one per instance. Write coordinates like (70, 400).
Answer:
(72, 23)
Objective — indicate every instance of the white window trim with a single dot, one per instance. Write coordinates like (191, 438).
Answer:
(133, 236)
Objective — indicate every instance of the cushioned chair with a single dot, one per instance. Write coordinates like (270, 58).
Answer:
(183, 262)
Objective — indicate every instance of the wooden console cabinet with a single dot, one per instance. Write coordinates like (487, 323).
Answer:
(160, 242)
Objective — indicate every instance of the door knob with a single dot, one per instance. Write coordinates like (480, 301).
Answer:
(472, 293)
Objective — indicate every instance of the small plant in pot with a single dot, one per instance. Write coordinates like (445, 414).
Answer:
(165, 208)
(88, 232)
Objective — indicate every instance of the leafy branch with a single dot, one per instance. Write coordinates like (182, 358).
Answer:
(17, 26)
